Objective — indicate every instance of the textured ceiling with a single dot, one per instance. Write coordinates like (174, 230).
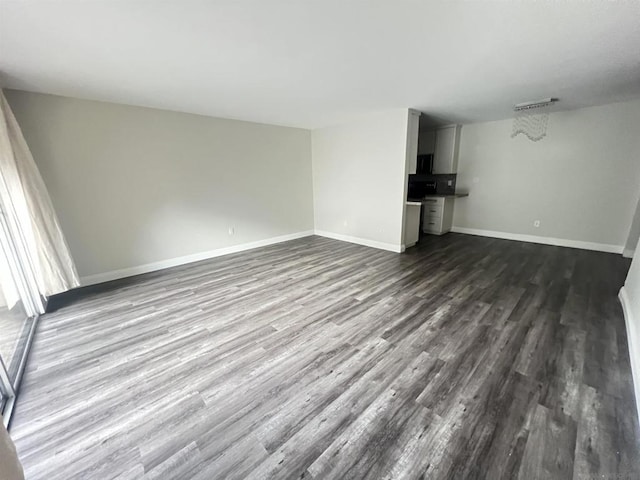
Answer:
(319, 62)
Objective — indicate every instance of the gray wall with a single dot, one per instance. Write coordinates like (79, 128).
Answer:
(359, 178)
(581, 181)
(134, 186)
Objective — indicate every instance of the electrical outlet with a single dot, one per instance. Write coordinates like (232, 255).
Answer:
(536, 223)
(475, 180)
(345, 223)
(449, 183)
(232, 230)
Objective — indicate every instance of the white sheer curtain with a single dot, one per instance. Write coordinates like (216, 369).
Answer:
(29, 217)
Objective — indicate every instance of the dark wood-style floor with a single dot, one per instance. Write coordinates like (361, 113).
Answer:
(466, 357)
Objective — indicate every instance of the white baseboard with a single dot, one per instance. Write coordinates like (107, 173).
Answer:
(559, 242)
(633, 338)
(361, 241)
(196, 257)
(628, 253)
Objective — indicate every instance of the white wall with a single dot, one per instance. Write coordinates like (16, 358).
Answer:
(135, 186)
(630, 298)
(580, 181)
(359, 179)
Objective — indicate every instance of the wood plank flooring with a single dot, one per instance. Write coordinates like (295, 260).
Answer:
(465, 357)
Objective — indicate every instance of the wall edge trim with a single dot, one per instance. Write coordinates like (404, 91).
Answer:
(183, 260)
(559, 242)
(361, 241)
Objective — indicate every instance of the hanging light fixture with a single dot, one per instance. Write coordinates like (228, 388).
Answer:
(532, 118)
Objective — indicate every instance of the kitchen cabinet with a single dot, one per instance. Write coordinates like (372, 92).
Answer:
(445, 155)
(412, 141)
(426, 142)
(437, 215)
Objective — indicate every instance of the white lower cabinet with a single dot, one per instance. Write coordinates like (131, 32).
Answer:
(437, 215)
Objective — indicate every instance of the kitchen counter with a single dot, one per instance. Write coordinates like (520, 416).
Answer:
(415, 203)
(439, 195)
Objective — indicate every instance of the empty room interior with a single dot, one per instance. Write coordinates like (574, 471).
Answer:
(319, 239)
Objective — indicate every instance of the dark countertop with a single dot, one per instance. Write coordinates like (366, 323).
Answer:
(439, 195)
